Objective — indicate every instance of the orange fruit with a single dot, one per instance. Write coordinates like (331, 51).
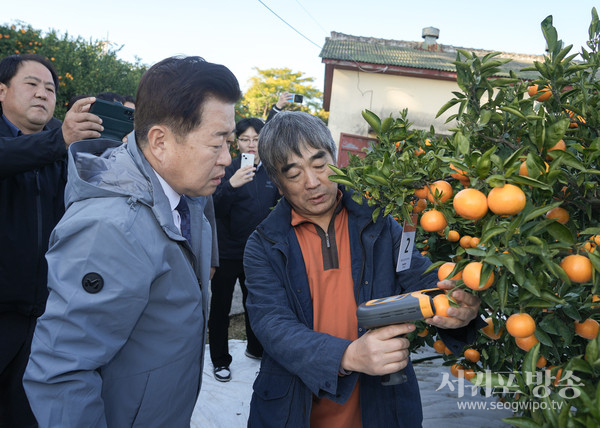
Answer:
(561, 145)
(589, 247)
(460, 175)
(474, 242)
(433, 221)
(587, 329)
(578, 268)
(506, 200)
(472, 355)
(445, 270)
(469, 374)
(441, 304)
(423, 333)
(470, 204)
(465, 241)
(541, 362)
(419, 151)
(559, 214)
(441, 188)
(525, 173)
(526, 343)
(447, 351)
(596, 239)
(520, 325)
(488, 330)
(546, 92)
(453, 236)
(422, 192)
(472, 276)
(439, 346)
(419, 205)
(457, 370)
(558, 376)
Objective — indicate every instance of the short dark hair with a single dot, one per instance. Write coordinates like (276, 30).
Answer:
(111, 96)
(173, 91)
(249, 122)
(288, 132)
(130, 98)
(9, 67)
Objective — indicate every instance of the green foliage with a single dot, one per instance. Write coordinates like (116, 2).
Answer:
(269, 83)
(499, 126)
(83, 67)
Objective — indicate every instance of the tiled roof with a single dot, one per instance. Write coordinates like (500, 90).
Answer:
(343, 47)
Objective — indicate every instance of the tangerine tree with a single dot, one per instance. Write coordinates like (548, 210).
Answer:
(523, 211)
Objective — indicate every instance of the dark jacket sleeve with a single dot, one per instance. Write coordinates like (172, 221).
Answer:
(31, 151)
(272, 113)
(224, 196)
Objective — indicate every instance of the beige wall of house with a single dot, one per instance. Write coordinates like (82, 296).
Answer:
(354, 91)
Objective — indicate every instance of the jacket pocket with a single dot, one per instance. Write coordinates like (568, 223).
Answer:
(275, 403)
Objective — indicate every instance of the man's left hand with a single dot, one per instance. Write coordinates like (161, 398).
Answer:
(457, 316)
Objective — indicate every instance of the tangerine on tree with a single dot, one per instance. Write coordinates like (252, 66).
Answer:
(472, 276)
(520, 325)
(419, 205)
(545, 95)
(439, 346)
(488, 330)
(422, 192)
(470, 204)
(560, 145)
(506, 200)
(587, 329)
(526, 343)
(541, 362)
(445, 270)
(472, 355)
(457, 370)
(453, 236)
(474, 242)
(441, 305)
(559, 214)
(460, 175)
(440, 188)
(577, 267)
(423, 333)
(433, 221)
(465, 241)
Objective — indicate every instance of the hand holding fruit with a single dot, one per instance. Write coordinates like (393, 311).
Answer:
(456, 317)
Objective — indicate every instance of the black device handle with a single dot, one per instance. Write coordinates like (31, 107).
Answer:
(394, 378)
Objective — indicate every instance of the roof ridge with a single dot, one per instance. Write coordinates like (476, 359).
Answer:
(335, 36)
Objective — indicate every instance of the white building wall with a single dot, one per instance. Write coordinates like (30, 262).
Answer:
(354, 91)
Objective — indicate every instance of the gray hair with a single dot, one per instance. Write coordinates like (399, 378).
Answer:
(286, 134)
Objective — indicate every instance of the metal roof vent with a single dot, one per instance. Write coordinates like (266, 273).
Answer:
(430, 34)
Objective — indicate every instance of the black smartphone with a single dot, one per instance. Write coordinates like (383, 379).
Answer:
(298, 98)
(116, 118)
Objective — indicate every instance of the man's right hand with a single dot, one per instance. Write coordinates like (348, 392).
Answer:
(79, 124)
(242, 176)
(379, 352)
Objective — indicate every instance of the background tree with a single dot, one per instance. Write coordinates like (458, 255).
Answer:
(269, 83)
(83, 67)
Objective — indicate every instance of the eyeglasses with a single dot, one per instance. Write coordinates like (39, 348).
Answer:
(248, 140)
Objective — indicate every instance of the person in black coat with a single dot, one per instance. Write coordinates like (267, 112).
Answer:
(243, 199)
(33, 154)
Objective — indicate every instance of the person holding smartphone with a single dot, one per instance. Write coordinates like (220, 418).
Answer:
(243, 199)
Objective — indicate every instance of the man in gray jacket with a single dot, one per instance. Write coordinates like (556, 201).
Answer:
(121, 342)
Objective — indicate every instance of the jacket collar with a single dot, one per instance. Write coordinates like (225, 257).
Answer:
(276, 226)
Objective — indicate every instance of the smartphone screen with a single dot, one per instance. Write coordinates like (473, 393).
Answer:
(247, 159)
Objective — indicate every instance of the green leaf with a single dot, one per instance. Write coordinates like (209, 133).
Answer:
(376, 214)
(550, 34)
(561, 233)
(513, 111)
(372, 119)
(446, 106)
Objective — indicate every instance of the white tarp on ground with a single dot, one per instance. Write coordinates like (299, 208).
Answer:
(227, 404)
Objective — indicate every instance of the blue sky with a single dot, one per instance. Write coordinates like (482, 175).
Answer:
(243, 34)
